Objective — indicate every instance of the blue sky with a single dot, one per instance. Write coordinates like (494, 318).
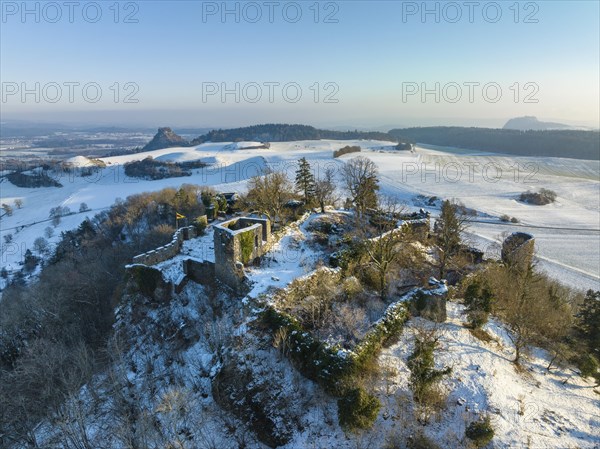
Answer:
(373, 56)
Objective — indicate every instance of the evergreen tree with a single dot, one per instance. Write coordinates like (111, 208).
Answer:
(478, 299)
(305, 181)
(448, 228)
(29, 261)
(589, 321)
(421, 363)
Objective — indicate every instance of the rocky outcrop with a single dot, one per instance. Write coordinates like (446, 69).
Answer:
(532, 123)
(255, 400)
(147, 285)
(165, 138)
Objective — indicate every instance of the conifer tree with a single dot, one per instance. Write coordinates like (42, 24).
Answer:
(589, 321)
(448, 228)
(305, 181)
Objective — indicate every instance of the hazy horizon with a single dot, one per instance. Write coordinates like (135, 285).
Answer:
(184, 119)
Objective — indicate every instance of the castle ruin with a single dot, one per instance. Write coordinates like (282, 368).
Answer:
(238, 242)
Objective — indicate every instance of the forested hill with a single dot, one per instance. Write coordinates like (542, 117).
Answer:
(574, 144)
(285, 133)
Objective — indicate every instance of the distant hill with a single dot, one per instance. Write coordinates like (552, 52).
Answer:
(575, 144)
(165, 138)
(532, 123)
(285, 133)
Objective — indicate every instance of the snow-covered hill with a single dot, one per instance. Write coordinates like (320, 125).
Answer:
(175, 350)
(567, 232)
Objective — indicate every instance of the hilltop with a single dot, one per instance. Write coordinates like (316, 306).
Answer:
(165, 138)
(285, 133)
(532, 123)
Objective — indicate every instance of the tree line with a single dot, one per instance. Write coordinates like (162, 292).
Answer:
(286, 133)
(573, 144)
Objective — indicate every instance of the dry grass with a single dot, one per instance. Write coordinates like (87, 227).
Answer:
(481, 335)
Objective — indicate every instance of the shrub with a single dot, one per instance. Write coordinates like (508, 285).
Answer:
(514, 220)
(247, 246)
(40, 245)
(588, 321)
(404, 146)
(420, 441)
(7, 209)
(346, 150)
(478, 299)
(146, 278)
(588, 366)
(150, 168)
(351, 287)
(357, 409)
(480, 432)
(505, 218)
(200, 223)
(539, 198)
(478, 318)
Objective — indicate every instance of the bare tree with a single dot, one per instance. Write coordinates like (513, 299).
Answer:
(19, 203)
(7, 209)
(40, 245)
(270, 193)
(49, 232)
(361, 178)
(531, 308)
(173, 412)
(383, 249)
(519, 315)
(325, 189)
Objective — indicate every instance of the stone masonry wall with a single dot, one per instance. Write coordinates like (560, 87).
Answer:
(229, 267)
(199, 272)
(167, 251)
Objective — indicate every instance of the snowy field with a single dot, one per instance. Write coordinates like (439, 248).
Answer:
(567, 232)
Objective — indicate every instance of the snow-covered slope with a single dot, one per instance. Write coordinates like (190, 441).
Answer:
(567, 232)
(529, 408)
(532, 408)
